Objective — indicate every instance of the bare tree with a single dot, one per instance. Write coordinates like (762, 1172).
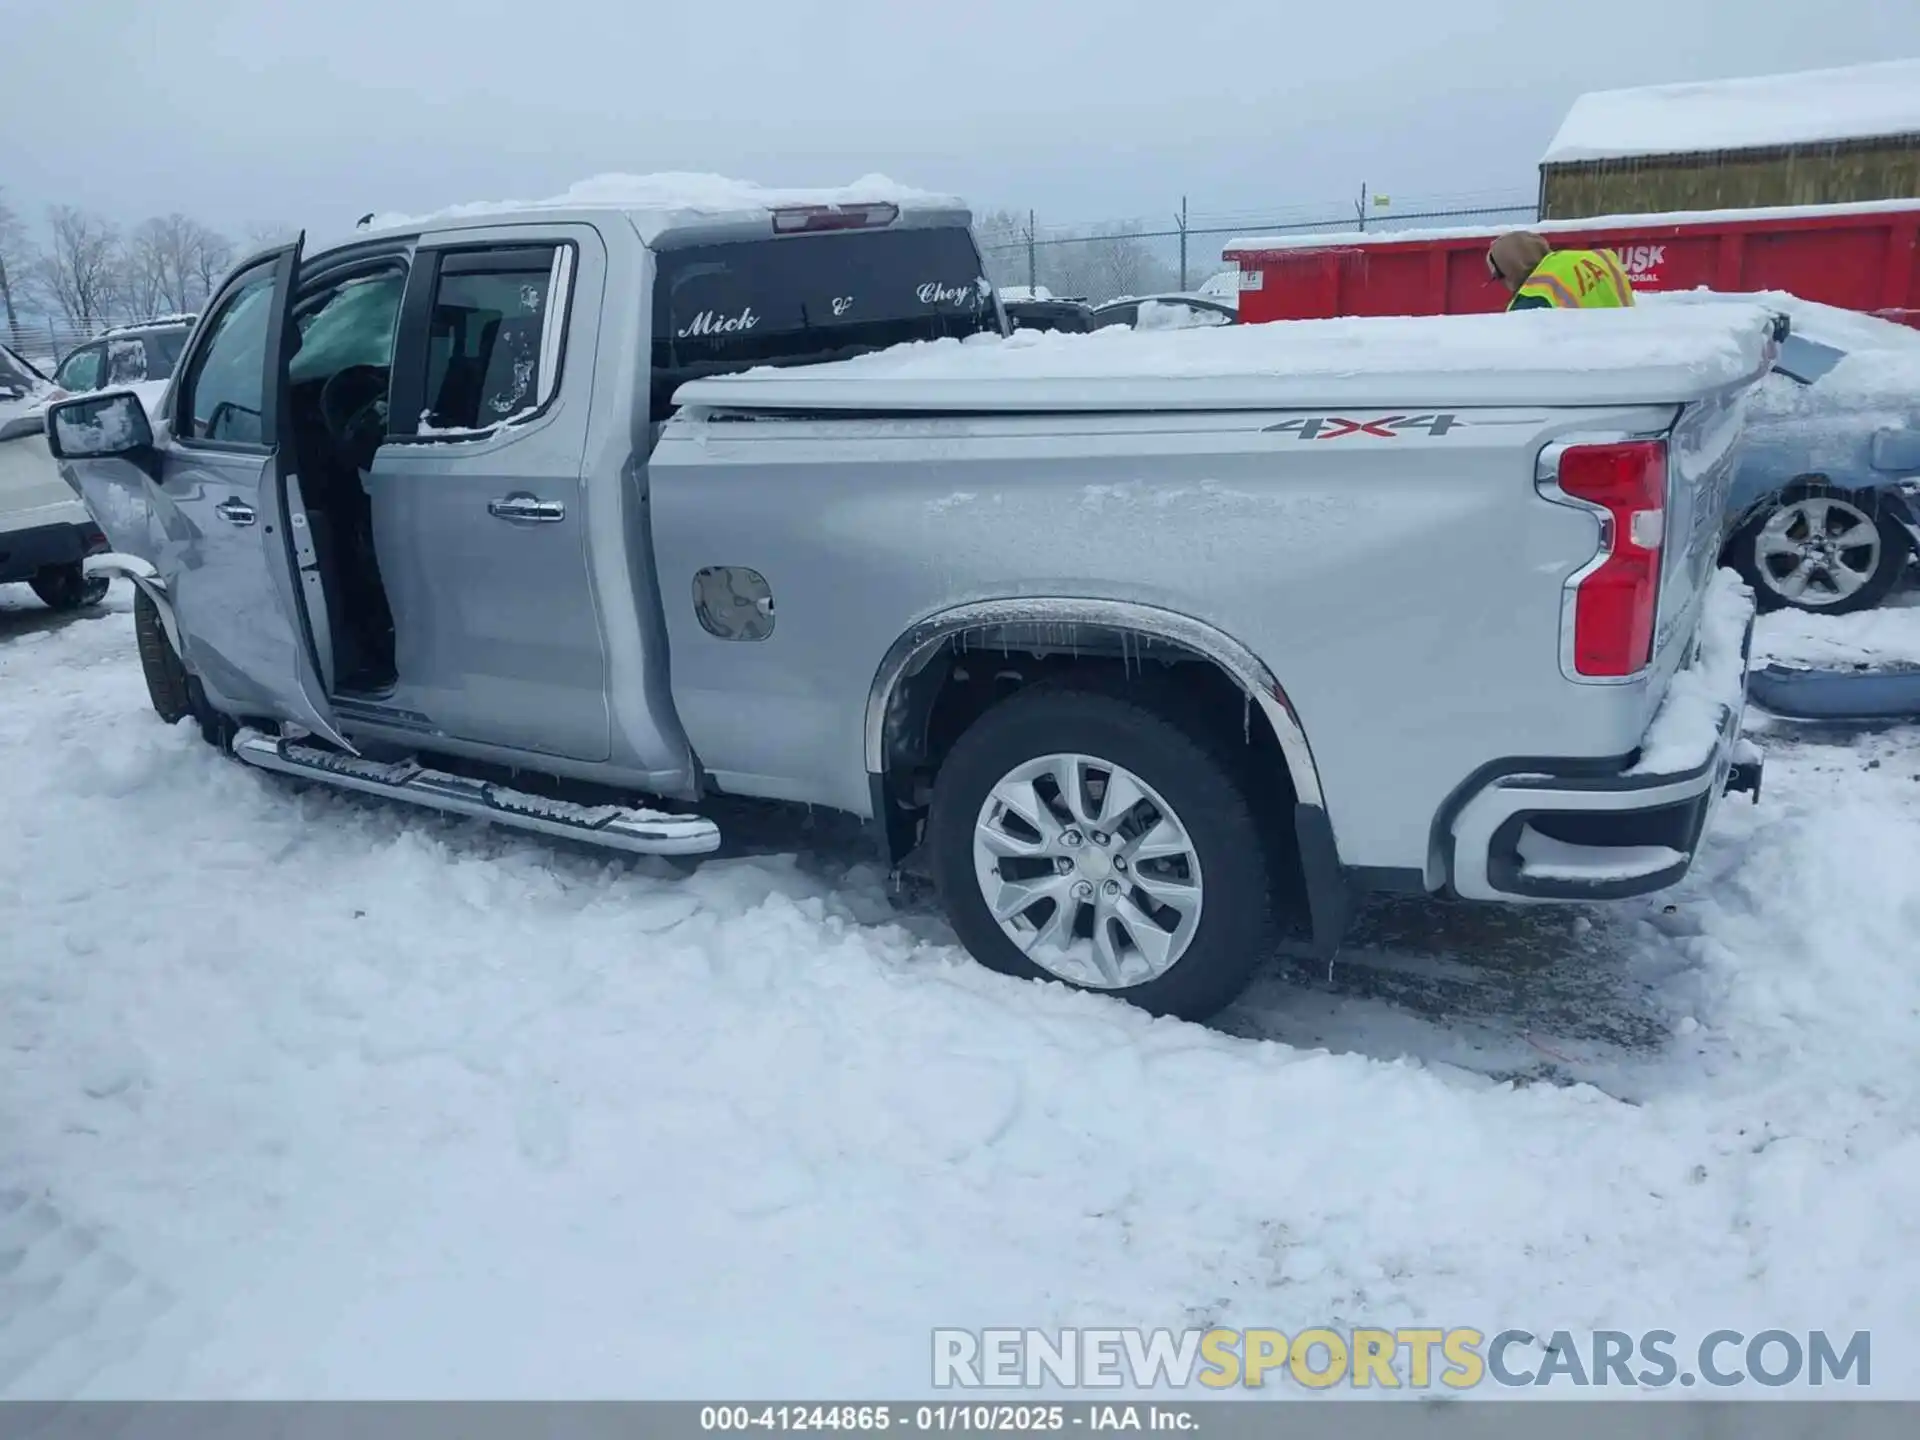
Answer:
(12, 243)
(145, 267)
(1118, 264)
(212, 258)
(173, 263)
(1002, 237)
(259, 236)
(81, 272)
(1102, 265)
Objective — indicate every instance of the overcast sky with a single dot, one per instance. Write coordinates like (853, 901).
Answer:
(244, 112)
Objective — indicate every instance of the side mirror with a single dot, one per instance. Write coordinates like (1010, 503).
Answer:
(98, 427)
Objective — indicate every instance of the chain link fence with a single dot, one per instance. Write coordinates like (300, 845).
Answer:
(1104, 260)
(46, 341)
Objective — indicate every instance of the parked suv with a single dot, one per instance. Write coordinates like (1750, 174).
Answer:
(130, 355)
(45, 532)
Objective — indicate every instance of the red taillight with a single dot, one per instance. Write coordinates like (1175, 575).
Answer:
(1614, 604)
(791, 219)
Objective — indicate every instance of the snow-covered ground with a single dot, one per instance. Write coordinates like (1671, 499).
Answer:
(1886, 637)
(309, 1096)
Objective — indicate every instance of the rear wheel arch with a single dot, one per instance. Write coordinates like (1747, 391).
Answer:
(948, 671)
(1080, 628)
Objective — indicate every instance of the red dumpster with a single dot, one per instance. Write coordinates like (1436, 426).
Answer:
(1859, 257)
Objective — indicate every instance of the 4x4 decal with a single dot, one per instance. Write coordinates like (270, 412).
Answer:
(1386, 427)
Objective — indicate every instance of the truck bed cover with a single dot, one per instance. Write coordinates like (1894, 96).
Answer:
(1533, 358)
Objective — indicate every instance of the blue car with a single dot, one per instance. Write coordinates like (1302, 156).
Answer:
(1826, 500)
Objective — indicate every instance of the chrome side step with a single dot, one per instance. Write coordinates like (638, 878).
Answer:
(618, 827)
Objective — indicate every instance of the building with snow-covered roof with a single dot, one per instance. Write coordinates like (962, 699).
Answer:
(1818, 137)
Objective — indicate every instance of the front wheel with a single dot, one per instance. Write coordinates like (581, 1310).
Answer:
(171, 688)
(69, 587)
(1082, 837)
(1824, 551)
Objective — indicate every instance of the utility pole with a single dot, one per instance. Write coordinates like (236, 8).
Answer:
(1181, 221)
(1033, 261)
(1361, 208)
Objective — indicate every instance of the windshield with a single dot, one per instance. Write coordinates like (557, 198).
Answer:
(1806, 360)
(352, 325)
(809, 298)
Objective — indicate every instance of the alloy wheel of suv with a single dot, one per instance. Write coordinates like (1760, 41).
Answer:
(1828, 552)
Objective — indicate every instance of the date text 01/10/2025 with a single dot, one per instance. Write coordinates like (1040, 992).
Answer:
(947, 1418)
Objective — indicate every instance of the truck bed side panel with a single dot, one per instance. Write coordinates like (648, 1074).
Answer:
(1402, 580)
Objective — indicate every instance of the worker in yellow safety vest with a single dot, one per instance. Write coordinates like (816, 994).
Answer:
(1540, 277)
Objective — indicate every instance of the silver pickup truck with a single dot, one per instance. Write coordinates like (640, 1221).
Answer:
(1149, 651)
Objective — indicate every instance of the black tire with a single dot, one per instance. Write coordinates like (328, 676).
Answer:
(168, 683)
(69, 587)
(1236, 927)
(1895, 550)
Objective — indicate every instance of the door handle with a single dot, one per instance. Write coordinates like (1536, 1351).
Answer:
(234, 512)
(528, 508)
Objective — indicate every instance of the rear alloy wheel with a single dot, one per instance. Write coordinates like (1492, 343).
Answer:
(1827, 552)
(1068, 846)
(1085, 838)
(69, 587)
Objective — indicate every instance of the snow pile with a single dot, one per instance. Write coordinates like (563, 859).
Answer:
(1546, 858)
(1522, 358)
(182, 317)
(1881, 364)
(1165, 315)
(1862, 407)
(315, 1097)
(1687, 724)
(1248, 246)
(663, 201)
(1886, 637)
(1853, 102)
(1828, 324)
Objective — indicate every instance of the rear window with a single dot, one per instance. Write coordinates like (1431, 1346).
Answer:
(804, 299)
(163, 352)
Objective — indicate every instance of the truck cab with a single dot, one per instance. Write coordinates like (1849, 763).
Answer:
(398, 491)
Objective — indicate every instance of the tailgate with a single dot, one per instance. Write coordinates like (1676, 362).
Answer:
(1703, 449)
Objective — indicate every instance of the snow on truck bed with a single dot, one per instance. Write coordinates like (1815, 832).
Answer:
(1526, 358)
(1854, 102)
